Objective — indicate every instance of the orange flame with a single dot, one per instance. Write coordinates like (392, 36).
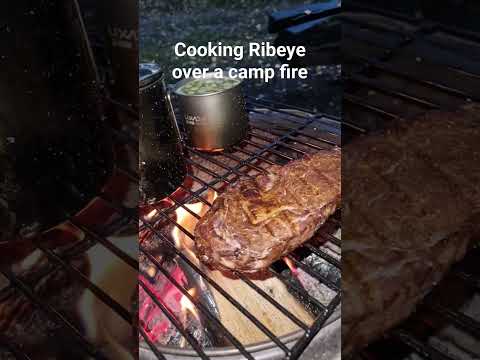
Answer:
(103, 327)
(188, 221)
(214, 197)
(187, 306)
(151, 214)
(290, 265)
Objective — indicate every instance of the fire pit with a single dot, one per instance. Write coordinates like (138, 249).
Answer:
(187, 310)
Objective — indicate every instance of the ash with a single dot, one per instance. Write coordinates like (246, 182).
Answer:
(315, 288)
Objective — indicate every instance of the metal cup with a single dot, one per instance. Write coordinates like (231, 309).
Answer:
(162, 163)
(213, 122)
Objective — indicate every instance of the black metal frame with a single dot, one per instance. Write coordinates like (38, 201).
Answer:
(361, 76)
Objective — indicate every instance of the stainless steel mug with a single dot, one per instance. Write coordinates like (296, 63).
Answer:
(213, 122)
(162, 162)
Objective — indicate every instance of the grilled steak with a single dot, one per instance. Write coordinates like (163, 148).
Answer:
(410, 202)
(257, 221)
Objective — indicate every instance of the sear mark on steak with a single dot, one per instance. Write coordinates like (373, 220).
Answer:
(258, 221)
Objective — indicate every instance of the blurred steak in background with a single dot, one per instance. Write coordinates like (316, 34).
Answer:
(411, 170)
(422, 217)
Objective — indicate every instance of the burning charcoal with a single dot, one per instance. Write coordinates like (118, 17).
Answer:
(155, 247)
(152, 317)
(155, 323)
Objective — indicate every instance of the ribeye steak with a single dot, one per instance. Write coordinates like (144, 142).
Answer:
(257, 221)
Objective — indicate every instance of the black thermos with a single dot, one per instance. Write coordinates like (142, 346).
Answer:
(120, 19)
(52, 155)
(162, 162)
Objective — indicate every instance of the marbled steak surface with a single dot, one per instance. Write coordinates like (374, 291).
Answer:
(258, 221)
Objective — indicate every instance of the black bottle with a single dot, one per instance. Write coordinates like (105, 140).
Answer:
(54, 152)
(162, 162)
(120, 19)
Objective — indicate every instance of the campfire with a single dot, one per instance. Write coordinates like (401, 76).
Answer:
(171, 290)
(163, 306)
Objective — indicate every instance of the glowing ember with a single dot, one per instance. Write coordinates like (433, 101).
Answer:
(298, 273)
(151, 317)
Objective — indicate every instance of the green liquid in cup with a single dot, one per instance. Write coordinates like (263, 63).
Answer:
(207, 86)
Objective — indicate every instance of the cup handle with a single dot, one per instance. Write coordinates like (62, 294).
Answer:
(172, 114)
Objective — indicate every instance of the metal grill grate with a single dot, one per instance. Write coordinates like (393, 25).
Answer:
(396, 69)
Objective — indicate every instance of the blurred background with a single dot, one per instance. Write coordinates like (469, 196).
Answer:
(195, 22)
